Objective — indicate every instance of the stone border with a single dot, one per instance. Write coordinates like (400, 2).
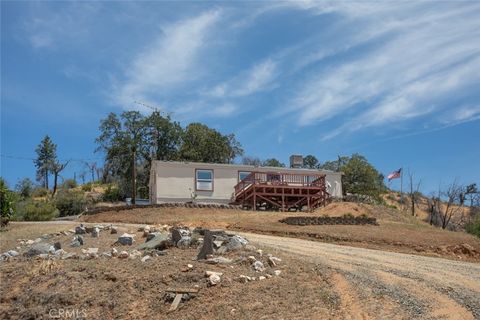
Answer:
(162, 205)
(304, 221)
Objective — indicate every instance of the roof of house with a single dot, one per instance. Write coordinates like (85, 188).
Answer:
(243, 166)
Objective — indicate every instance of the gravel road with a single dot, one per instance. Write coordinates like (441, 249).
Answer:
(374, 284)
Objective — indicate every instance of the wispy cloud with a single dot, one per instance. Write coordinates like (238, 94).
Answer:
(257, 78)
(170, 60)
(429, 55)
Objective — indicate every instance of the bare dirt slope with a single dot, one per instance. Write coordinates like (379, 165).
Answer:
(396, 231)
(375, 284)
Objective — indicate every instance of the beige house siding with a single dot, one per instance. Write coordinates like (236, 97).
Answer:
(175, 181)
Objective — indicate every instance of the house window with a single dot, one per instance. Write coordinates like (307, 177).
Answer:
(242, 175)
(204, 180)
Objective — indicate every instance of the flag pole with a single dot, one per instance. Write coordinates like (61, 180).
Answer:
(401, 187)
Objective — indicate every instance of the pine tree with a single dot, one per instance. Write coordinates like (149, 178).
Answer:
(46, 158)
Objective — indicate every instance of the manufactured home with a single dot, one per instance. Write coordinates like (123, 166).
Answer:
(252, 186)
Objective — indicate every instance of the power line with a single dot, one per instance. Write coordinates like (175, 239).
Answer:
(32, 159)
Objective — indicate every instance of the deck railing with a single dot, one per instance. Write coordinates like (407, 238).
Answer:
(278, 178)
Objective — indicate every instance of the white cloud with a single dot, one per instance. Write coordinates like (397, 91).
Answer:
(169, 61)
(422, 57)
(257, 78)
(461, 115)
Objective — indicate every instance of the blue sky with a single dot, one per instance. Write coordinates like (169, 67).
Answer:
(395, 81)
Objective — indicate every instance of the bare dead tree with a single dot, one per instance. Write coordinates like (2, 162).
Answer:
(56, 168)
(92, 166)
(413, 194)
(452, 205)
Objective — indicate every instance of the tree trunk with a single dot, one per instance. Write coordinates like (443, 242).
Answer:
(55, 178)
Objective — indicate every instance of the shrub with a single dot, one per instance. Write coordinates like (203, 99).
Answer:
(69, 184)
(473, 226)
(87, 187)
(112, 194)
(7, 203)
(40, 192)
(31, 210)
(70, 203)
(348, 215)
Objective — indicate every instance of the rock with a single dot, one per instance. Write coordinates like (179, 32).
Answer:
(65, 233)
(261, 278)
(91, 250)
(80, 239)
(222, 250)
(213, 277)
(123, 255)
(29, 242)
(178, 234)
(89, 229)
(160, 241)
(146, 258)
(113, 230)
(38, 249)
(260, 252)
(258, 266)
(60, 252)
(207, 247)
(218, 243)
(243, 278)
(184, 242)
(12, 253)
(70, 255)
(43, 256)
(219, 260)
(114, 252)
(467, 249)
(80, 230)
(277, 272)
(190, 266)
(75, 244)
(95, 232)
(134, 254)
(145, 233)
(57, 246)
(252, 259)
(107, 255)
(236, 243)
(125, 239)
(152, 235)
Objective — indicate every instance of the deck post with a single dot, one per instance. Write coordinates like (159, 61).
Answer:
(254, 199)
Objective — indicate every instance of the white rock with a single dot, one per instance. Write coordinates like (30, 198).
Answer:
(190, 266)
(126, 239)
(91, 250)
(252, 259)
(214, 279)
(210, 273)
(260, 252)
(261, 278)
(114, 252)
(258, 266)
(12, 253)
(29, 242)
(146, 258)
(123, 255)
(277, 272)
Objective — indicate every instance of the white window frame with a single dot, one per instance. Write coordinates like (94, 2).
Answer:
(197, 180)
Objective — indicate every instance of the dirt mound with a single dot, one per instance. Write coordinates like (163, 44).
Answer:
(336, 209)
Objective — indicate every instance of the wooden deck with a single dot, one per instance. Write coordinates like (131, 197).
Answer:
(281, 191)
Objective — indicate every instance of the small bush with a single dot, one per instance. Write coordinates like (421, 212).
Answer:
(112, 194)
(473, 226)
(69, 184)
(40, 192)
(7, 203)
(31, 210)
(348, 215)
(87, 187)
(70, 203)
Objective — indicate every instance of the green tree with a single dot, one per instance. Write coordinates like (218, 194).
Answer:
(164, 136)
(7, 203)
(360, 177)
(46, 157)
(310, 162)
(25, 187)
(122, 141)
(204, 144)
(272, 163)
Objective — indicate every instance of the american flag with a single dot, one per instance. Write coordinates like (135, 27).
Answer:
(395, 174)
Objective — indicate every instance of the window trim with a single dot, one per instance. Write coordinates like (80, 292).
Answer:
(195, 179)
(242, 171)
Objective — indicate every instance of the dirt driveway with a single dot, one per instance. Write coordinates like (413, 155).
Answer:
(373, 284)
